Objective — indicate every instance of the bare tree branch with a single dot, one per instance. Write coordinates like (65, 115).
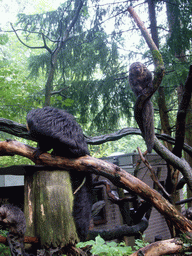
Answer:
(32, 47)
(20, 130)
(114, 173)
(60, 91)
(153, 175)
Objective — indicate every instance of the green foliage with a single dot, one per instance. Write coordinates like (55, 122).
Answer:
(3, 232)
(180, 39)
(187, 242)
(3, 39)
(90, 75)
(88, 70)
(100, 103)
(15, 90)
(14, 160)
(125, 145)
(4, 250)
(102, 248)
(140, 243)
(18, 92)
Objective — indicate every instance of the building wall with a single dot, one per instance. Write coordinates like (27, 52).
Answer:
(157, 223)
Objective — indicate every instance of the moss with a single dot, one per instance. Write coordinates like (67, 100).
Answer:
(157, 58)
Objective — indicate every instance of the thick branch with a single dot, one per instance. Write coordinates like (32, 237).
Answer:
(118, 231)
(181, 115)
(157, 58)
(20, 130)
(175, 161)
(13, 128)
(143, 29)
(117, 175)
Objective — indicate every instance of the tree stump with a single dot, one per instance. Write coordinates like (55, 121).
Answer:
(48, 208)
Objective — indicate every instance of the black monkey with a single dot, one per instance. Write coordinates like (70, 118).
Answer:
(57, 129)
(140, 80)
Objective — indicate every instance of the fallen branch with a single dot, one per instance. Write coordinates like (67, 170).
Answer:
(169, 246)
(27, 239)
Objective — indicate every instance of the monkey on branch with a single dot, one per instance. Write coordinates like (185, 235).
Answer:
(58, 130)
(140, 80)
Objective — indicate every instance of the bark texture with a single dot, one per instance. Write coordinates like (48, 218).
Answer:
(48, 208)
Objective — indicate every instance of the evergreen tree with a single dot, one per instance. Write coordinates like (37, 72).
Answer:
(80, 62)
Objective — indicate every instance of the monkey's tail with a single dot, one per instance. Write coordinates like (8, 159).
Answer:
(144, 118)
(148, 125)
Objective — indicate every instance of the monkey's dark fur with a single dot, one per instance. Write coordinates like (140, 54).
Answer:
(13, 218)
(57, 129)
(140, 80)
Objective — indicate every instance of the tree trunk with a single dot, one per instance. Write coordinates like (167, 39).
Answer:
(153, 22)
(48, 208)
(188, 140)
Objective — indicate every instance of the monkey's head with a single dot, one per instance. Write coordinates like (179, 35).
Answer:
(3, 214)
(140, 78)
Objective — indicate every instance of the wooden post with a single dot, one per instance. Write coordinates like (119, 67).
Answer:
(48, 208)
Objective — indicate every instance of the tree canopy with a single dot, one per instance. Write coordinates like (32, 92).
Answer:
(76, 64)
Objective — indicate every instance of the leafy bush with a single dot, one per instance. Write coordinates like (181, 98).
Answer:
(4, 250)
(140, 243)
(102, 248)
